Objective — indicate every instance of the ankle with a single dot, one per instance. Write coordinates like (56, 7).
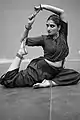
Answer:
(20, 56)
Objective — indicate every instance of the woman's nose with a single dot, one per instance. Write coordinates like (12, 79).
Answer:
(49, 28)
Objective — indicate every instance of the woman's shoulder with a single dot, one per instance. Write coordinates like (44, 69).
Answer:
(45, 37)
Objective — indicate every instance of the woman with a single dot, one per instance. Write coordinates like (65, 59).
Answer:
(47, 70)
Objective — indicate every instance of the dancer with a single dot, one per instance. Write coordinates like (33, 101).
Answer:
(46, 70)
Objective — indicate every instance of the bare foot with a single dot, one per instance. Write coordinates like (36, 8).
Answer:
(23, 49)
(45, 83)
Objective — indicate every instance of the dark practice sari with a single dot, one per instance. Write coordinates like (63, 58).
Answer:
(38, 69)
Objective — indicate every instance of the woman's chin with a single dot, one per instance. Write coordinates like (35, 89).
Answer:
(50, 34)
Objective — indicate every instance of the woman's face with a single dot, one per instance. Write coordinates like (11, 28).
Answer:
(51, 27)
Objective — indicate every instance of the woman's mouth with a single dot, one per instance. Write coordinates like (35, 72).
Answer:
(49, 31)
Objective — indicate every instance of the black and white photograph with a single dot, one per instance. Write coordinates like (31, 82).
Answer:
(39, 60)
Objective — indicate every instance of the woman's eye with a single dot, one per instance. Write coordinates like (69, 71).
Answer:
(47, 25)
(52, 26)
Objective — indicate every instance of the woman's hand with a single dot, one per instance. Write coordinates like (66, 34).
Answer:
(38, 8)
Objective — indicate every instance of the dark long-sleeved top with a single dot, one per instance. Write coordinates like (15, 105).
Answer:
(38, 69)
(54, 49)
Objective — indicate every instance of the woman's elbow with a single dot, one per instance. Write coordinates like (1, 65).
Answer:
(63, 16)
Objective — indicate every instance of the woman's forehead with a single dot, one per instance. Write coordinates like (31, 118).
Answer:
(50, 22)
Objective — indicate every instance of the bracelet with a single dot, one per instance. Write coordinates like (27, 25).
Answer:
(19, 56)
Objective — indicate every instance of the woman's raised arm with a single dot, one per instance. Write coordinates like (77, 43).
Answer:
(51, 8)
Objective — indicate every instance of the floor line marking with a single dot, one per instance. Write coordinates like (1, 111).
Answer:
(50, 113)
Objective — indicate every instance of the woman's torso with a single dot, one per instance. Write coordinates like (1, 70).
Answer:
(55, 50)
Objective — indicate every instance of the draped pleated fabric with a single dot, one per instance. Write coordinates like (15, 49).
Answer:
(38, 69)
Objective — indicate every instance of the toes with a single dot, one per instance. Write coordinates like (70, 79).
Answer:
(53, 83)
(45, 83)
(36, 84)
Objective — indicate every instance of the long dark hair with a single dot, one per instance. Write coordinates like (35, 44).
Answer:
(55, 18)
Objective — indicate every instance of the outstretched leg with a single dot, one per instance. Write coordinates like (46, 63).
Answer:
(13, 77)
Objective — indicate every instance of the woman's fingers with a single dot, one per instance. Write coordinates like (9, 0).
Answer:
(36, 8)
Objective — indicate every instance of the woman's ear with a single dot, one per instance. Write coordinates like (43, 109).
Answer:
(59, 27)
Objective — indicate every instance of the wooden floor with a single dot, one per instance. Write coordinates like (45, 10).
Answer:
(54, 103)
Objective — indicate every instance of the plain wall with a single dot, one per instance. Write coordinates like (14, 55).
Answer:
(14, 15)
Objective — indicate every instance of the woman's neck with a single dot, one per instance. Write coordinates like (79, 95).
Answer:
(55, 36)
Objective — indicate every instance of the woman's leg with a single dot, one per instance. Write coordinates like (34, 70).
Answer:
(19, 57)
(67, 77)
(13, 77)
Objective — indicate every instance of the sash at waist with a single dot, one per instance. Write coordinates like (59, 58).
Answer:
(55, 64)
